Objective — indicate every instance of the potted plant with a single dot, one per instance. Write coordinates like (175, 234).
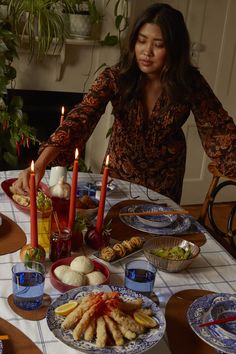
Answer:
(39, 23)
(14, 130)
(3, 9)
(82, 15)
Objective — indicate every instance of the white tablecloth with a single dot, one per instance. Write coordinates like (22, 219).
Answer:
(214, 269)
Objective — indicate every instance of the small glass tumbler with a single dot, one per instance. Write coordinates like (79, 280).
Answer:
(28, 284)
(44, 220)
(60, 245)
(140, 276)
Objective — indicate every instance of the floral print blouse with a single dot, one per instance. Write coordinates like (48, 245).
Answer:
(150, 151)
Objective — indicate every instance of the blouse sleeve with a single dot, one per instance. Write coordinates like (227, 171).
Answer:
(83, 118)
(216, 128)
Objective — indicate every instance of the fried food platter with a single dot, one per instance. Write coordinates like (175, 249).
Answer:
(140, 344)
(124, 249)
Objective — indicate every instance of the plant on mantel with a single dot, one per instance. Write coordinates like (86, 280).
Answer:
(14, 130)
(39, 23)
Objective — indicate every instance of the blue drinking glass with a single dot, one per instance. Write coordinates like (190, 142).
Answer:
(140, 276)
(28, 284)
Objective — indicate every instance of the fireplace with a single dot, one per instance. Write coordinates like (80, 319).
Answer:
(43, 109)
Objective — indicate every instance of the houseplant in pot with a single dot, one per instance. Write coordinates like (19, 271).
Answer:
(82, 16)
(15, 133)
(39, 24)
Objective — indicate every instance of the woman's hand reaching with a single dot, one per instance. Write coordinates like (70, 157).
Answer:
(21, 185)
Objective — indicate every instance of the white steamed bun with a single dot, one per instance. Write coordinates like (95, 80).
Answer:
(60, 270)
(95, 278)
(74, 278)
(82, 264)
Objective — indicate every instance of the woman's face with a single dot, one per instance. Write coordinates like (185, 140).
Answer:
(150, 50)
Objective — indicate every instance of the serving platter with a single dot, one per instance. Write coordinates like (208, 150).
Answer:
(181, 224)
(6, 189)
(142, 343)
(198, 312)
(96, 254)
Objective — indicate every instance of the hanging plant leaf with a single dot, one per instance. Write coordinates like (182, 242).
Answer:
(110, 40)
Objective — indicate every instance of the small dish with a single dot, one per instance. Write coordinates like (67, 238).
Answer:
(155, 220)
(169, 265)
(86, 211)
(223, 309)
(6, 188)
(198, 313)
(62, 287)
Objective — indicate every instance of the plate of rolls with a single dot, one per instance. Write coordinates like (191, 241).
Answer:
(117, 251)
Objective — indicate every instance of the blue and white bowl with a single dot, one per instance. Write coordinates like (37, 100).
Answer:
(223, 309)
(159, 221)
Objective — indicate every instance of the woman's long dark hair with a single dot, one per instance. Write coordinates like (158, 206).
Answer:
(177, 72)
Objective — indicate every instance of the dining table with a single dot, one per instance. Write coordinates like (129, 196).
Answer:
(213, 270)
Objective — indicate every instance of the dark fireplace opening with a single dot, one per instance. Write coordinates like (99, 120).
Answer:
(43, 109)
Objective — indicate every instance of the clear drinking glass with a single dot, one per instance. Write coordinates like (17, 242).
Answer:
(44, 220)
(140, 276)
(60, 245)
(28, 284)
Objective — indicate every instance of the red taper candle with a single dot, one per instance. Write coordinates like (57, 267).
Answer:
(102, 201)
(33, 209)
(73, 191)
(62, 115)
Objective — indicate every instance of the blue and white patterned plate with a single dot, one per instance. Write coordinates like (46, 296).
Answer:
(1, 347)
(162, 220)
(198, 312)
(142, 343)
(181, 224)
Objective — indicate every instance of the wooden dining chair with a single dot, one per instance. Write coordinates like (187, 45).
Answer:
(207, 208)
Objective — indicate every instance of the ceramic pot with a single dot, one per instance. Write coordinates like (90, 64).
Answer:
(80, 25)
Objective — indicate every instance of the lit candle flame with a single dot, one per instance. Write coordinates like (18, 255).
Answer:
(32, 166)
(62, 110)
(76, 153)
(107, 161)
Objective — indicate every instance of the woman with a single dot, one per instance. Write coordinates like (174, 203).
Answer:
(152, 89)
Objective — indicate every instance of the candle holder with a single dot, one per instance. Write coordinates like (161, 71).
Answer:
(31, 253)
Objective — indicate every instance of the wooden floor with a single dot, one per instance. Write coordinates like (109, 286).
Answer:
(221, 212)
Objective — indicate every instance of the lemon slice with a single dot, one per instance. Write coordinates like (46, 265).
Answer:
(144, 320)
(65, 309)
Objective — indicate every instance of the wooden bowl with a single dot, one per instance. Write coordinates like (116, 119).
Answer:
(169, 265)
